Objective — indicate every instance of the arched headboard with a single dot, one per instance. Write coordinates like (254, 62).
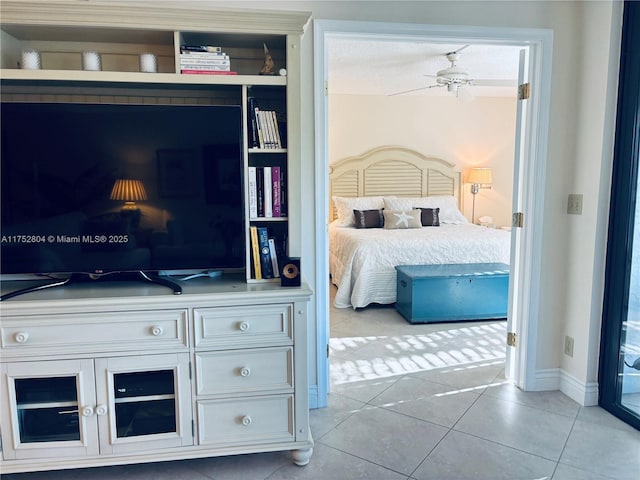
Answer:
(392, 170)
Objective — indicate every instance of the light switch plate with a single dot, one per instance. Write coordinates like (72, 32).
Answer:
(574, 205)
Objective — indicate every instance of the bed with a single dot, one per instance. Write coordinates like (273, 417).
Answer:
(382, 183)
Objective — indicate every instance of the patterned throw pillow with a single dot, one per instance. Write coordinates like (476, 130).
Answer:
(402, 219)
(368, 218)
(430, 217)
(449, 212)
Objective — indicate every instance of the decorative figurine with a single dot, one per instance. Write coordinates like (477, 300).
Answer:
(267, 68)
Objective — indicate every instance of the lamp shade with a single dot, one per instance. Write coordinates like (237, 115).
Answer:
(480, 175)
(128, 190)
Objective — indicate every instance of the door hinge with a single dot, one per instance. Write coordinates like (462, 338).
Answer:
(193, 429)
(512, 339)
(524, 91)
(189, 370)
(327, 350)
(326, 88)
(517, 220)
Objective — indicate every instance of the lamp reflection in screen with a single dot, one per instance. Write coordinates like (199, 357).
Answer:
(130, 191)
(478, 178)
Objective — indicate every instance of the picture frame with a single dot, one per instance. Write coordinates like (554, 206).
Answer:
(176, 174)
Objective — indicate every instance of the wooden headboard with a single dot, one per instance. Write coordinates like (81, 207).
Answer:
(392, 170)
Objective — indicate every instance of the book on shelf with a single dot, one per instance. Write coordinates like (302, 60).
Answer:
(266, 264)
(255, 253)
(267, 198)
(211, 55)
(283, 193)
(264, 128)
(214, 68)
(274, 258)
(260, 190)
(190, 60)
(207, 72)
(268, 192)
(200, 48)
(253, 192)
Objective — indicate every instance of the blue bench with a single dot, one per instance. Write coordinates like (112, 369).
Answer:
(452, 292)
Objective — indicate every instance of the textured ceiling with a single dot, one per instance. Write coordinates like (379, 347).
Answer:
(375, 66)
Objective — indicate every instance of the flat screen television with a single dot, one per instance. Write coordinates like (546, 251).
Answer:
(97, 189)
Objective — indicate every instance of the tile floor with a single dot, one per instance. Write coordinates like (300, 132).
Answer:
(418, 402)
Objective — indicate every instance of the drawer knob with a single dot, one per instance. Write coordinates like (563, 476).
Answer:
(101, 410)
(87, 411)
(21, 337)
(156, 330)
(245, 371)
(246, 420)
(244, 326)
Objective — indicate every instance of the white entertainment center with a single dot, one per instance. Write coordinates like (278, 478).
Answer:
(112, 373)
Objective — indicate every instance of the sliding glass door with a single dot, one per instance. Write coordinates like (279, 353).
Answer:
(619, 376)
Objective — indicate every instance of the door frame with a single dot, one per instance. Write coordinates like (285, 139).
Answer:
(625, 199)
(532, 181)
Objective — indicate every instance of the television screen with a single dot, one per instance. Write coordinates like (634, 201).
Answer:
(102, 188)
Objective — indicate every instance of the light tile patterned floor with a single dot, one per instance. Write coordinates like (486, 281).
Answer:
(418, 402)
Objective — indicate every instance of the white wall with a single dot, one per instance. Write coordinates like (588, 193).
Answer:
(582, 104)
(476, 134)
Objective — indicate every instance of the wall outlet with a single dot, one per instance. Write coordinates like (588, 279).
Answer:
(574, 205)
(568, 346)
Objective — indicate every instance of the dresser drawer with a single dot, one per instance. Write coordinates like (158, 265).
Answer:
(244, 371)
(94, 332)
(233, 327)
(249, 420)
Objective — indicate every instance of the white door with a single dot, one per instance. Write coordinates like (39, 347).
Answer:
(512, 364)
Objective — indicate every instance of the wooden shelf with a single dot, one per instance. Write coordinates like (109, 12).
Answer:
(8, 74)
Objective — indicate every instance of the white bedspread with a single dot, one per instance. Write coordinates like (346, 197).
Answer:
(362, 261)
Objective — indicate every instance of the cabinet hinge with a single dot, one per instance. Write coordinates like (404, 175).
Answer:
(517, 220)
(512, 339)
(524, 91)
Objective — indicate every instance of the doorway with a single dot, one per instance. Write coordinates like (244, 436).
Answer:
(529, 198)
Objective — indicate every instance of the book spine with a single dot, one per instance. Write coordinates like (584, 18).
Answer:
(265, 253)
(200, 48)
(192, 54)
(255, 249)
(264, 128)
(276, 130)
(268, 193)
(260, 190)
(203, 61)
(256, 111)
(253, 193)
(283, 193)
(274, 258)
(190, 71)
(252, 122)
(205, 68)
(275, 181)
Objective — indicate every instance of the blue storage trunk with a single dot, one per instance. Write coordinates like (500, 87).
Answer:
(450, 292)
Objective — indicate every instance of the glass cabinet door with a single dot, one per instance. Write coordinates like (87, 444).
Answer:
(51, 410)
(148, 401)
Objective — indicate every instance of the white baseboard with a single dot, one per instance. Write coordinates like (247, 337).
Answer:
(586, 394)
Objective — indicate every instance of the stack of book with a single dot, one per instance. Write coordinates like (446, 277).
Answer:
(264, 254)
(267, 192)
(264, 128)
(204, 60)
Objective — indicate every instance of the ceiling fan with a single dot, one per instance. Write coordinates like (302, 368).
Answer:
(455, 78)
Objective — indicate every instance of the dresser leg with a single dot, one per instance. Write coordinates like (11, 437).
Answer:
(301, 457)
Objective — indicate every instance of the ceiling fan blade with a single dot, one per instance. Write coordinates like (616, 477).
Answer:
(414, 90)
(458, 50)
(487, 82)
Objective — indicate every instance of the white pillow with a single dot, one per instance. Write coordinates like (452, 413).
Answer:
(346, 205)
(448, 206)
